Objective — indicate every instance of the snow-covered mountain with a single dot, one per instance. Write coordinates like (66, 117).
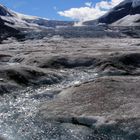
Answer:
(13, 24)
(26, 21)
(16, 20)
(127, 13)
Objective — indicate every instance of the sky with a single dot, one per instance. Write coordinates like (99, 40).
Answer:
(79, 10)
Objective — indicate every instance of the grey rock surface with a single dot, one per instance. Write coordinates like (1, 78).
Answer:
(72, 89)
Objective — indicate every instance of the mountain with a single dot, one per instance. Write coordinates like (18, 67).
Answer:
(24, 27)
(7, 31)
(127, 13)
(26, 21)
(17, 25)
(15, 20)
(13, 24)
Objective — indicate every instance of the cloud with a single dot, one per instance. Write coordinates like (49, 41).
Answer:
(89, 4)
(107, 4)
(89, 12)
(82, 13)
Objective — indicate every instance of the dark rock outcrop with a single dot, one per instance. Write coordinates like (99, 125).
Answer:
(7, 31)
(125, 8)
(62, 61)
(23, 76)
(120, 11)
(4, 11)
(121, 64)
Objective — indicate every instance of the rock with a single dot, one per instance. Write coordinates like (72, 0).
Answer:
(26, 76)
(63, 61)
(1, 138)
(103, 108)
(126, 13)
(8, 87)
(5, 57)
(109, 105)
(98, 98)
(121, 64)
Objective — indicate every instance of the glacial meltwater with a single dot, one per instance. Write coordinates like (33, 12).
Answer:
(18, 111)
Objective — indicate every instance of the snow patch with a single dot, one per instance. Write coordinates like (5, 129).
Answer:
(20, 20)
(129, 20)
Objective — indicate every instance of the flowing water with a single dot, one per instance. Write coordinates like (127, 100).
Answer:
(18, 110)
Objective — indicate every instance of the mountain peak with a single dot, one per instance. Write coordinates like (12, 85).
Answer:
(4, 11)
(127, 13)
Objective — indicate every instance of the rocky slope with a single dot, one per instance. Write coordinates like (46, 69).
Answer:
(109, 106)
(7, 31)
(57, 88)
(18, 25)
(24, 27)
(22, 20)
(126, 13)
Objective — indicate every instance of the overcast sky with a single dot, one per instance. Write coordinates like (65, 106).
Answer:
(62, 9)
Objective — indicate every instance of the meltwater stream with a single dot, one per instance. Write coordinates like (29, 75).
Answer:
(18, 109)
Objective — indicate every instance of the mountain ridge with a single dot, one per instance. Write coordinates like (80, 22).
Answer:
(126, 9)
(29, 21)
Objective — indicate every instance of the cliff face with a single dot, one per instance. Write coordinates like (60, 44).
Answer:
(7, 31)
